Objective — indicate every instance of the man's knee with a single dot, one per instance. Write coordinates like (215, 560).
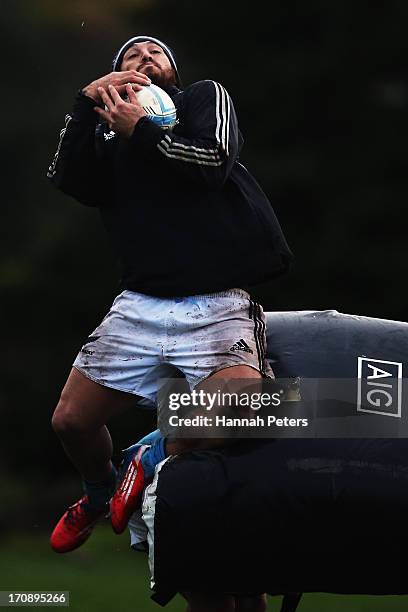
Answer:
(68, 418)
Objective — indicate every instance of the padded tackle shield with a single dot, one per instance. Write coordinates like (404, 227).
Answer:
(290, 515)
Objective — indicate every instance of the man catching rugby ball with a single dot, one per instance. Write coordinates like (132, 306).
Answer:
(193, 232)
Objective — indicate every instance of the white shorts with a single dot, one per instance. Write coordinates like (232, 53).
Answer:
(143, 339)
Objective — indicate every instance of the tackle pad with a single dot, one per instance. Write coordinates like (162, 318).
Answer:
(286, 516)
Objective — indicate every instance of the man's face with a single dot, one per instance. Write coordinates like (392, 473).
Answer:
(150, 59)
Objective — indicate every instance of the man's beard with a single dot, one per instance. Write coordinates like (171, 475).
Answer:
(162, 79)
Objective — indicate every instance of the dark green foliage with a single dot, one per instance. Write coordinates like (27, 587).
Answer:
(321, 93)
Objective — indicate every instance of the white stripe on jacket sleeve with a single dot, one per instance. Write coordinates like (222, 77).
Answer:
(52, 168)
(202, 155)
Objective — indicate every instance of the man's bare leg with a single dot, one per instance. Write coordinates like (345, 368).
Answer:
(174, 447)
(79, 421)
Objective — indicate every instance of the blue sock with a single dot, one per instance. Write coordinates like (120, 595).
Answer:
(152, 456)
(99, 493)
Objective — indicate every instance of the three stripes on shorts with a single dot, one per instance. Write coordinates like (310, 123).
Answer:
(255, 313)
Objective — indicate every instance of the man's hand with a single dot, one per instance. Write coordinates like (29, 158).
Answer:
(121, 116)
(118, 80)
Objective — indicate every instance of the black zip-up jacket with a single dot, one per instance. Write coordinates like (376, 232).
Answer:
(184, 215)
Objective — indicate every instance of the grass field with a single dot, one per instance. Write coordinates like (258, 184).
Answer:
(105, 574)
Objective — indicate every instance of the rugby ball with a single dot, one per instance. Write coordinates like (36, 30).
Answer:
(158, 105)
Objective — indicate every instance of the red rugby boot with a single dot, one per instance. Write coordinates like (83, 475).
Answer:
(75, 526)
(128, 495)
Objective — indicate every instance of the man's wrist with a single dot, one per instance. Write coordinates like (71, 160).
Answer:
(146, 133)
(84, 108)
(91, 92)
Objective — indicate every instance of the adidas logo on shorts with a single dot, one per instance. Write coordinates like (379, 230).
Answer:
(241, 345)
